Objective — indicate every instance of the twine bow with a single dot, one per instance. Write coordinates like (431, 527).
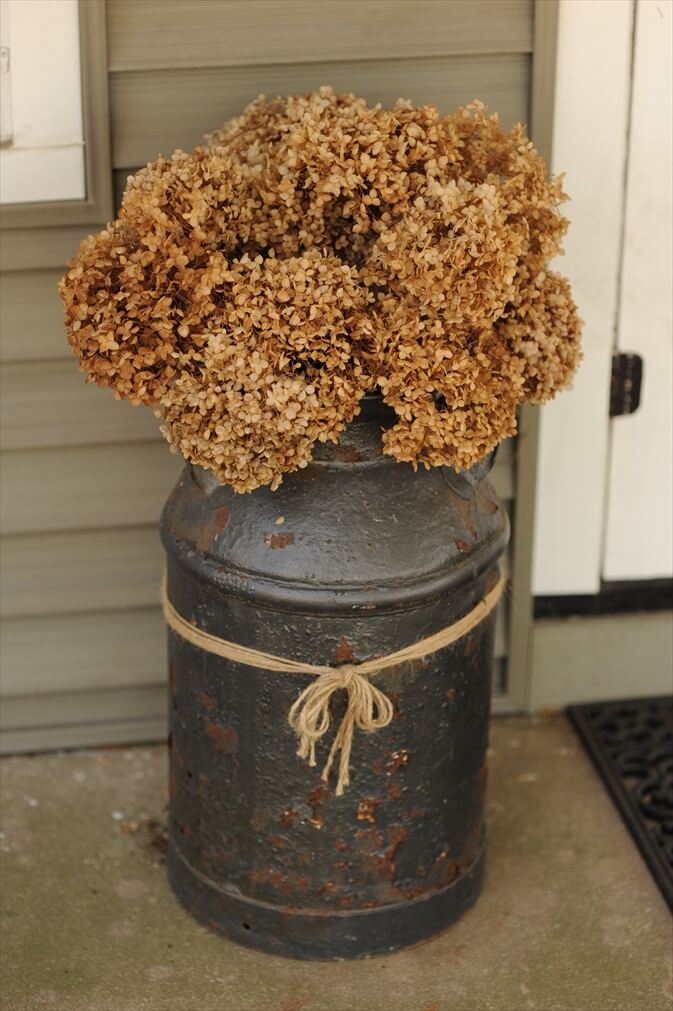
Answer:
(367, 707)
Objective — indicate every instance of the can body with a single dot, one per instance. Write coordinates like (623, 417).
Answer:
(352, 558)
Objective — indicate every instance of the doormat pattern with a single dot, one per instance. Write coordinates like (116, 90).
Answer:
(631, 745)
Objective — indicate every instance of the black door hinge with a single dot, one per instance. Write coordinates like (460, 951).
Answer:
(626, 383)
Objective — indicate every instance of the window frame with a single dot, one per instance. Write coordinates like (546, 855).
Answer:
(97, 206)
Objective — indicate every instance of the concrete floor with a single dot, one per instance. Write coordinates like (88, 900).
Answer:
(569, 919)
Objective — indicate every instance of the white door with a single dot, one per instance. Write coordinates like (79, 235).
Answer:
(604, 498)
(639, 502)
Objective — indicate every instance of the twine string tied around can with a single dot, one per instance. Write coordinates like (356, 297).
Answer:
(367, 707)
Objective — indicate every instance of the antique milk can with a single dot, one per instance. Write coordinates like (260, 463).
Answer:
(352, 558)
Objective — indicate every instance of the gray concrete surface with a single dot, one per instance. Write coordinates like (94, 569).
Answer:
(569, 919)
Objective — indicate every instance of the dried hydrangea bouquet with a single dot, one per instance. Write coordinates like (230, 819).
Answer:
(318, 300)
(317, 249)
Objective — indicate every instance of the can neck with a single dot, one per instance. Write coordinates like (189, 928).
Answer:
(361, 441)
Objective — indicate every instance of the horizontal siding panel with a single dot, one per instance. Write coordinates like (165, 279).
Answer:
(31, 317)
(50, 404)
(154, 112)
(41, 248)
(153, 34)
(77, 571)
(26, 740)
(85, 487)
(60, 709)
(82, 652)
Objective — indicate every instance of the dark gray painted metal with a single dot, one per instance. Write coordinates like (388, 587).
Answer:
(369, 557)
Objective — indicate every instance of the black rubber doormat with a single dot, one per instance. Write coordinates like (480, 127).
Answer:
(631, 745)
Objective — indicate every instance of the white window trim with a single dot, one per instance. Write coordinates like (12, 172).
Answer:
(45, 160)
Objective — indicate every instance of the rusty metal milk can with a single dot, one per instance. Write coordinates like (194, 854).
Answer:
(353, 557)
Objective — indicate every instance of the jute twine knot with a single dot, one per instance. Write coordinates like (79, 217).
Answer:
(367, 707)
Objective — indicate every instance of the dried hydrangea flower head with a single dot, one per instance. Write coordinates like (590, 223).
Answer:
(314, 249)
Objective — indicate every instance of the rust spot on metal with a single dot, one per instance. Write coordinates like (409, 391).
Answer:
(209, 531)
(451, 694)
(341, 865)
(418, 812)
(327, 888)
(315, 799)
(393, 790)
(279, 541)
(397, 835)
(466, 512)
(471, 644)
(397, 760)
(224, 738)
(462, 546)
(276, 841)
(367, 809)
(221, 518)
(205, 536)
(446, 870)
(346, 454)
(422, 663)
(385, 864)
(344, 653)
(369, 839)
(258, 821)
(345, 901)
(341, 845)
(278, 879)
(287, 817)
(395, 699)
(284, 882)
(206, 701)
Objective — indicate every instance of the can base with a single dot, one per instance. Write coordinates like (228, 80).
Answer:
(313, 935)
